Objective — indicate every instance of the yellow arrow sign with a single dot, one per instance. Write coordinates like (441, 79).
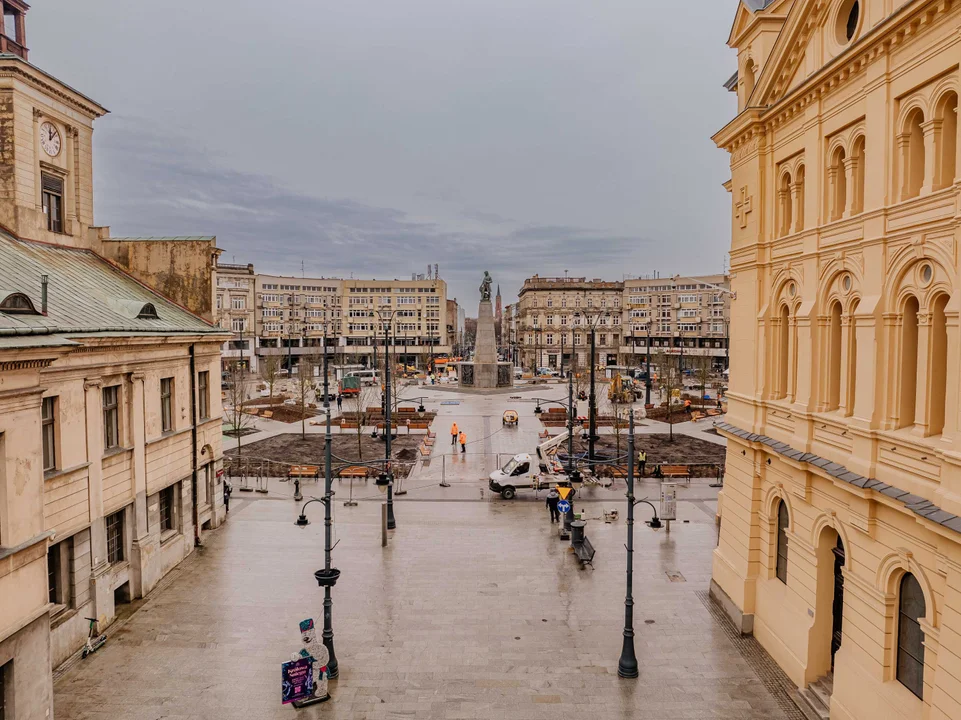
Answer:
(563, 492)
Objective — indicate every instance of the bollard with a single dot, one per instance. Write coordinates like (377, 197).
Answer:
(383, 525)
(297, 496)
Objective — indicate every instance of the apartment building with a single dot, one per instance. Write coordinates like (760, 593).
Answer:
(840, 536)
(235, 304)
(676, 314)
(292, 317)
(110, 417)
(554, 317)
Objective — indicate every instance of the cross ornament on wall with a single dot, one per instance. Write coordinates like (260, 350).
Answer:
(743, 206)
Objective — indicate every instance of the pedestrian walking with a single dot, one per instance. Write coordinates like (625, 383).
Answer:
(340, 401)
(642, 461)
(719, 403)
(462, 438)
(227, 490)
(453, 434)
(552, 499)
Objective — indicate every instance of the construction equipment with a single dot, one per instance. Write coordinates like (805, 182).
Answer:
(621, 390)
(527, 472)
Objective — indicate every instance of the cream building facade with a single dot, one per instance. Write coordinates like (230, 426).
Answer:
(840, 538)
(235, 311)
(110, 418)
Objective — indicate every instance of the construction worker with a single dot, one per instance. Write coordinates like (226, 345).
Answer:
(462, 438)
(453, 433)
(687, 406)
(642, 460)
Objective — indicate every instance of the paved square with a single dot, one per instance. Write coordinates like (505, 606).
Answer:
(474, 610)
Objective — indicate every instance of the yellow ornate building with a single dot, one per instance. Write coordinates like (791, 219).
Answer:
(840, 541)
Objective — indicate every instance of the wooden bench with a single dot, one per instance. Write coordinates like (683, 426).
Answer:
(682, 471)
(407, 410)
(303, 471)
(354, 471)
(715, 412)
(348, 425)
(430, 433)
(268, 414)
(252, 411)
(556, 411)
(414, 425)
(585, 552)
(373, 410)
(545, 434)
(697, 415)
(424, 450)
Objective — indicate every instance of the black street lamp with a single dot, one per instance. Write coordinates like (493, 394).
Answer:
(592, 318)
(627, 665)
(327, 577)
(648, 383)
(387, 478)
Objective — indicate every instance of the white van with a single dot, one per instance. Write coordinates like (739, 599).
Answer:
(367, 377)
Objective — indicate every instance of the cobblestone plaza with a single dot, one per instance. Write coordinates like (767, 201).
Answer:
(474, 610)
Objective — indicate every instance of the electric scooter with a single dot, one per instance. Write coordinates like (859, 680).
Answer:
(95, 639)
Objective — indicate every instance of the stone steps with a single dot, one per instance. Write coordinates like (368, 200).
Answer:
(814, 701)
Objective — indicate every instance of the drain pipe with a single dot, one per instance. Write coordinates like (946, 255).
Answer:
(43, 294)
(193, 443)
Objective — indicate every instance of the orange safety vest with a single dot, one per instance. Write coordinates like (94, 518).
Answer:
(453, 429)
(462, 439)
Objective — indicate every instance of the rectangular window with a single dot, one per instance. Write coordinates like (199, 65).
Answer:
(53, 202)
(111, 416)
(203, 394)
(5, 672)
(49, 429)
(238, 303)
(166, 416)
(58, 574)
(167, 509)
(115, 544)
(238, 324)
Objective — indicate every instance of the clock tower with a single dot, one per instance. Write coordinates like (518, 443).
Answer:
(46, 133)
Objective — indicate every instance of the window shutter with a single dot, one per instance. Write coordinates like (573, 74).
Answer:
(52, 184)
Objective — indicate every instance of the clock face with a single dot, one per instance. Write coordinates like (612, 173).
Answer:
(50, 139)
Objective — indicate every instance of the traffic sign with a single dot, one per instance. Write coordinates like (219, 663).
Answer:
(563, 492)
(563, 507)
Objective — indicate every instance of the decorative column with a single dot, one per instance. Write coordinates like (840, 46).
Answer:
(797, 200)
(835, 211)
(37, 184)
(784, 206)
(922, 400)
(932, 138)
(138, 551)
(847, 330)
(69, 185)
(904, 156)
(792, 358)
(851, 182)
(99, 567)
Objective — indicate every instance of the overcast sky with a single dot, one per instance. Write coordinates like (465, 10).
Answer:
(376, 136)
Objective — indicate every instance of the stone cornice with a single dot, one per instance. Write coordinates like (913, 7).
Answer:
(16, 68)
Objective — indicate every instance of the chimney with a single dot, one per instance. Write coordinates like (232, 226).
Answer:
(43, 294)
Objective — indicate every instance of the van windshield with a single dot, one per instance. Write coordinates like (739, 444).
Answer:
(509, 467)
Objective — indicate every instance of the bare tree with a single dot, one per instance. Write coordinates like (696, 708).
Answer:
(270, 371)
(366, 395)
(470, 331)
(305, 385)
(671, 381)
(237, 392)
(702, 366)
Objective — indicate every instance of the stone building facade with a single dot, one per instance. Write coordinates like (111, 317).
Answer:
(840, 538)
(110, 418)
(552, 321)
(290, 317)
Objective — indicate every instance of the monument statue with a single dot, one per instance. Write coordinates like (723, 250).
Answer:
(485, 371)
(485, 287)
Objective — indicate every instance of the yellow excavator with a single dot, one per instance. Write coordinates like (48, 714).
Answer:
(620, 391)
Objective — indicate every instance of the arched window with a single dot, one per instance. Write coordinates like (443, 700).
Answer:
(910, 637)
(782, 523)
(939, 365)
(834, 357)
(747, 82)
(947, 113)
(799, 204)
(857, 192)
(838, 184)
(912, 155)
(784, 329)
(784, 203)
(909, 362)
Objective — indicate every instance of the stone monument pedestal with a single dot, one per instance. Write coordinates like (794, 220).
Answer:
(485, 371)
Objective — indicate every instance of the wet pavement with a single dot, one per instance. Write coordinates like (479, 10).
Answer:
(475, 609)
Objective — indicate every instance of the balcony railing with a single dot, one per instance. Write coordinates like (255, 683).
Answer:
(9, 45)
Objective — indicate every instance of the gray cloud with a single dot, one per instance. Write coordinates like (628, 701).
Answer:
(374, 137)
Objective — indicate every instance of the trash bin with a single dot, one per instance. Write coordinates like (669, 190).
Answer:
(577, 532)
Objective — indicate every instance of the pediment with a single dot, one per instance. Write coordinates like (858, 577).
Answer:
(742, 20)
(799, 47)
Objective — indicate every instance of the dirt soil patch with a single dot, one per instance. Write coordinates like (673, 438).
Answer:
(290, 448)
(685, 450)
